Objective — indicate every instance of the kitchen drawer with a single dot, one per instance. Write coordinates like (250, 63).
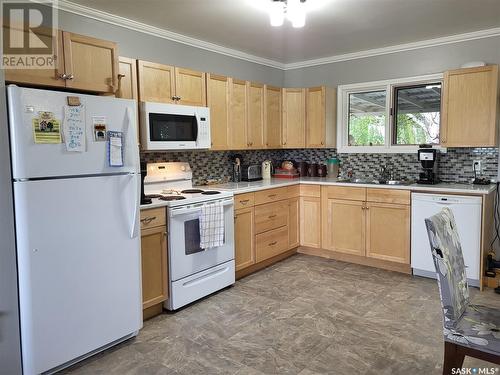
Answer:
(388, 196)
(345, 192)
(153, 217)
(244, 200)
(293, 191)
(271, 195)
(310, 191)
(270, 244)
(271, 216)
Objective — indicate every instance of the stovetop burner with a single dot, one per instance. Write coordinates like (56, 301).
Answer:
(191, 191)
(171, 197)
(210, 192)
(152, 196)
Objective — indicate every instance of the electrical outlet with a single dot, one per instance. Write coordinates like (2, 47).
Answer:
(477, 165)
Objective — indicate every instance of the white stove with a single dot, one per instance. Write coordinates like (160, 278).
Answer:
(193, 272)
(171, 183)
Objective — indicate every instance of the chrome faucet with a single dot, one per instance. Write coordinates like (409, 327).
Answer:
(386, 173)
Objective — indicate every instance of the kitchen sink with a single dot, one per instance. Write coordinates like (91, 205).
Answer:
(375, 182)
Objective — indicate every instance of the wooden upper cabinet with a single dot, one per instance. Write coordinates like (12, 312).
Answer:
(82, 63)
(272, 116)
(294, 118)
(127, 79)
(218, 102)
(41, 77)
(320, 117)
(127, 84)
(255, 121)
(237, 114)
(469, 115)
(90, 64)
(156, 82)
(190, 87)
(388, 232)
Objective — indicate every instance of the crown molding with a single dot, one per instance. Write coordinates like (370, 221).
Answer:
(481, 34)
(98, 15)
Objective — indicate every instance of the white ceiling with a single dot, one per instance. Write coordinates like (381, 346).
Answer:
(334, 27)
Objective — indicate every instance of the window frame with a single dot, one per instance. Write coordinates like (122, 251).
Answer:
(343, 92)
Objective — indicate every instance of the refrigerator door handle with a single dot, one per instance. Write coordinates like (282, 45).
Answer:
(137, 160)
(134, 231)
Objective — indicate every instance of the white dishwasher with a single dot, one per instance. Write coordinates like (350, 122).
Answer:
(467, 212)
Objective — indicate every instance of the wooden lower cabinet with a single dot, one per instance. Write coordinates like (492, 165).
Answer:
(344, 226)
(154, 261)
(271, 216)
(154, 266)
(365, 226)
(310, 222)
(388, 232)
(266, 227)
(244, 238)
(271, 243)
(293, 222)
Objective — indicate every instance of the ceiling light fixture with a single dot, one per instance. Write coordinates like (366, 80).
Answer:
(293, 10)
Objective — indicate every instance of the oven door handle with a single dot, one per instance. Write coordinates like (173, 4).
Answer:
(197, 207)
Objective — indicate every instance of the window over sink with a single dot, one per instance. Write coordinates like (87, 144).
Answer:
(389, 116)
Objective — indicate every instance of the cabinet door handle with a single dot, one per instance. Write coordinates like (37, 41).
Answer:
(120, 76)
(271, 216)
(272, 243)
(70, 77)
(63, 76)
(148, 220)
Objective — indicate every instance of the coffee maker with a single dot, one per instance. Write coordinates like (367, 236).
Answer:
(428, 159)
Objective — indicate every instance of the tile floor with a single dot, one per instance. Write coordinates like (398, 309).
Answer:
(305, 315)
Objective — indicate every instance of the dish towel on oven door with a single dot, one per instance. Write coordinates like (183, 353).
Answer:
(212, 225)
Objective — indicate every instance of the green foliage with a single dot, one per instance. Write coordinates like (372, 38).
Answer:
(412, 129)
(366, 130)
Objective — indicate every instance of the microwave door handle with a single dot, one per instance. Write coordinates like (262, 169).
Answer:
(197, 117)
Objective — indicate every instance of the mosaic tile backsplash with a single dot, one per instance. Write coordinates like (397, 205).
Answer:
(453, 166)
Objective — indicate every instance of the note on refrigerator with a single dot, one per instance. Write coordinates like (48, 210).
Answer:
(115, 148)
(74, 128)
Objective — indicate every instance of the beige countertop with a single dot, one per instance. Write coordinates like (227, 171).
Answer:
(454, 188)
(248, 187)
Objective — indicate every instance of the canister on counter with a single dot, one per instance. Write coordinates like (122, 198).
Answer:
(333, 167)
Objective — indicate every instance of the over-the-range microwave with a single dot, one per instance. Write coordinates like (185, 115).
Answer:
(174, 127)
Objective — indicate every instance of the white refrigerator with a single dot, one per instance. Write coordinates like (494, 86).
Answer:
(77, 228)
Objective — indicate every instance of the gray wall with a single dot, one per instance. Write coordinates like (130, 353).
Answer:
(147, 47)
(10, 356)
(397, 65)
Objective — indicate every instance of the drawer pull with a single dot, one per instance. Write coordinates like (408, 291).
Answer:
(273, 243)
(272, 216)
(148, 220)
(244, 201)
(271, 195)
